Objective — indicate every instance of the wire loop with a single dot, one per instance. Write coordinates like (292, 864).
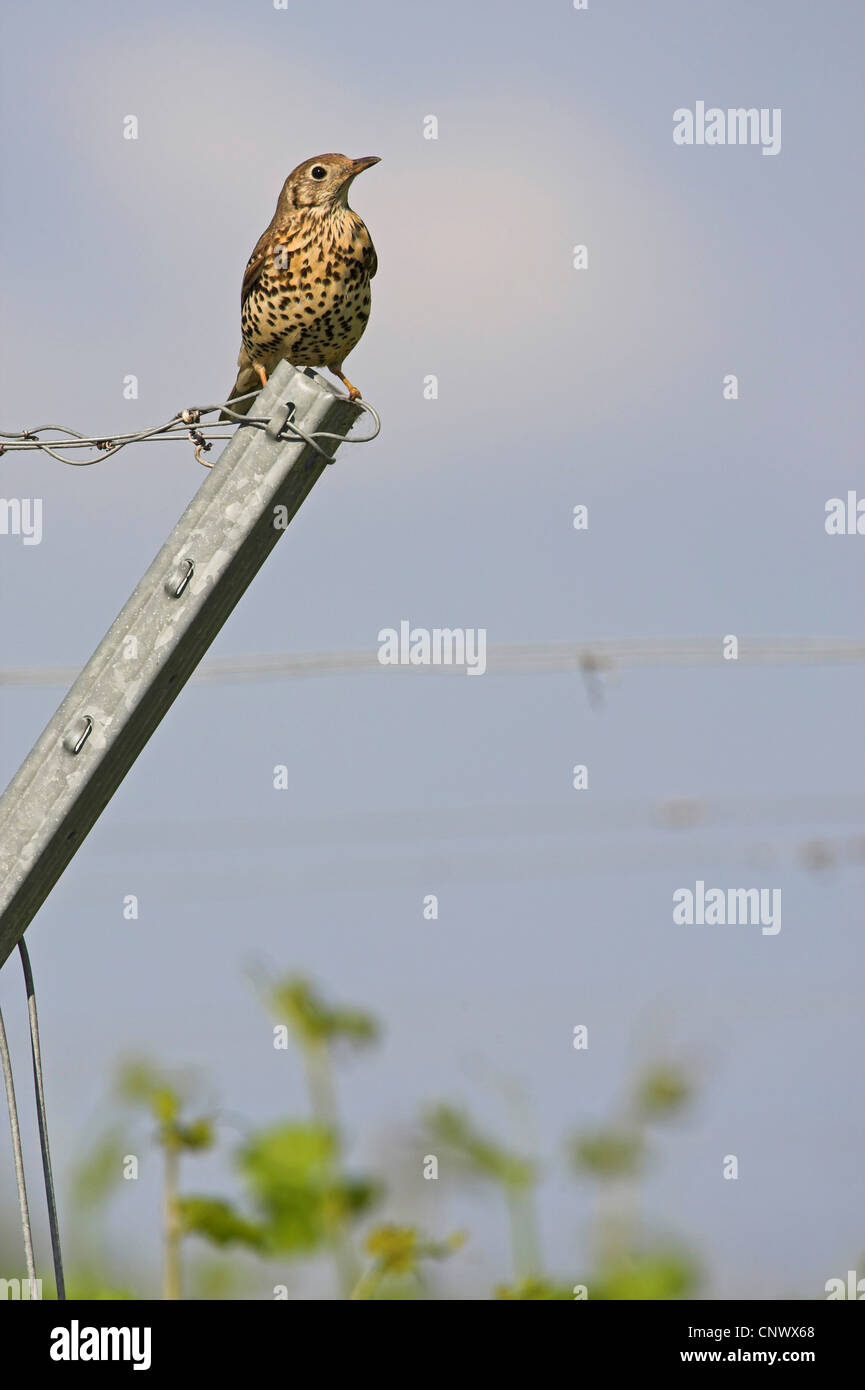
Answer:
(183, 426)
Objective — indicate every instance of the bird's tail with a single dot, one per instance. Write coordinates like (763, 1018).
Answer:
(247, 380)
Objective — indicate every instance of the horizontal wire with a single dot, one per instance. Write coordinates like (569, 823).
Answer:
(183, 426)
(481, 855)
(689, 817)
(592, 659)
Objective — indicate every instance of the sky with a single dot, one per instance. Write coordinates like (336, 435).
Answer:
(557, 387)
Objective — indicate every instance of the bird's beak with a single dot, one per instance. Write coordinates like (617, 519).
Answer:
(358, 165)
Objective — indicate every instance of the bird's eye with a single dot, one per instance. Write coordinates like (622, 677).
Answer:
(318, 171)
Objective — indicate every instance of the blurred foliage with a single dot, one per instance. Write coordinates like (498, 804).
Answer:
(100, 1171)
(92, 1284)
(398, 1253)
(534, 1290)
(657, 1275)
(295, 1199)
(300, 1196)
(662, 1091)
(480, 1155)
(214, 1279)
(141, 1084)
(314, 1023)
(217, 1221)
(608, 1153)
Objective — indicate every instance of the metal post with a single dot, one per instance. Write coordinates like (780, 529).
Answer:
(146, 657)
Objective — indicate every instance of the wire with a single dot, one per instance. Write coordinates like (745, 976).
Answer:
(592, 659)
(182, 426)
(6, 1062)
(42, 1116)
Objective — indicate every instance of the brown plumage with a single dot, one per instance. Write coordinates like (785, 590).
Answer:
(306, 291)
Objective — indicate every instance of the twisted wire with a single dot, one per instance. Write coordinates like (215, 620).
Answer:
(183, 426)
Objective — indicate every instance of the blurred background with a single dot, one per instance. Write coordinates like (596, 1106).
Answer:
(556, 387)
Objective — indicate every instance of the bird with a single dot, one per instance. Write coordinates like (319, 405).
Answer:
(306, 288)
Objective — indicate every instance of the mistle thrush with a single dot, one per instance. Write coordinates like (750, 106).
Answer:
(306, 293)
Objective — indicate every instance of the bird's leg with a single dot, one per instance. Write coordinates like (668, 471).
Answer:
(353, 393)
(261, 373)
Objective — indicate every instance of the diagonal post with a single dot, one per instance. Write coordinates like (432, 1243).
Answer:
(141, 665)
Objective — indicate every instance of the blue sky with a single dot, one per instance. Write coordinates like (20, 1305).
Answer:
(556, 387)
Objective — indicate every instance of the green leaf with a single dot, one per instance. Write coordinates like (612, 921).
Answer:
(142, 1083)
(217, 1221)
(300, 1198)
(397, 1253)
(198, 1134)
(395, 1248)
(295, 1002)
(165, 1104)
(400, 1249)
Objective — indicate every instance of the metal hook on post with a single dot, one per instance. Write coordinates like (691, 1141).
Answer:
(188, 573)
(80, 742)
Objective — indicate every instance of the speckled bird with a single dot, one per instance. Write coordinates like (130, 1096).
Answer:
(306, 290)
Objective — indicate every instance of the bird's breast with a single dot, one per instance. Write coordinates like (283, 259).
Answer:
(312, 300)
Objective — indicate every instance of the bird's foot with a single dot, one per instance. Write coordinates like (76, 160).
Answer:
(261, 373)
(353, 393)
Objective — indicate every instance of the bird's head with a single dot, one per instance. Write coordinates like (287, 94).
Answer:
(324, 181)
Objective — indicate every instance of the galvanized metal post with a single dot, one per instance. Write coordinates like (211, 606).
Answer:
(143, 662)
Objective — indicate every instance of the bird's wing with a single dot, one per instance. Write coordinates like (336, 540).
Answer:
(254, 266)
(369, 259)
